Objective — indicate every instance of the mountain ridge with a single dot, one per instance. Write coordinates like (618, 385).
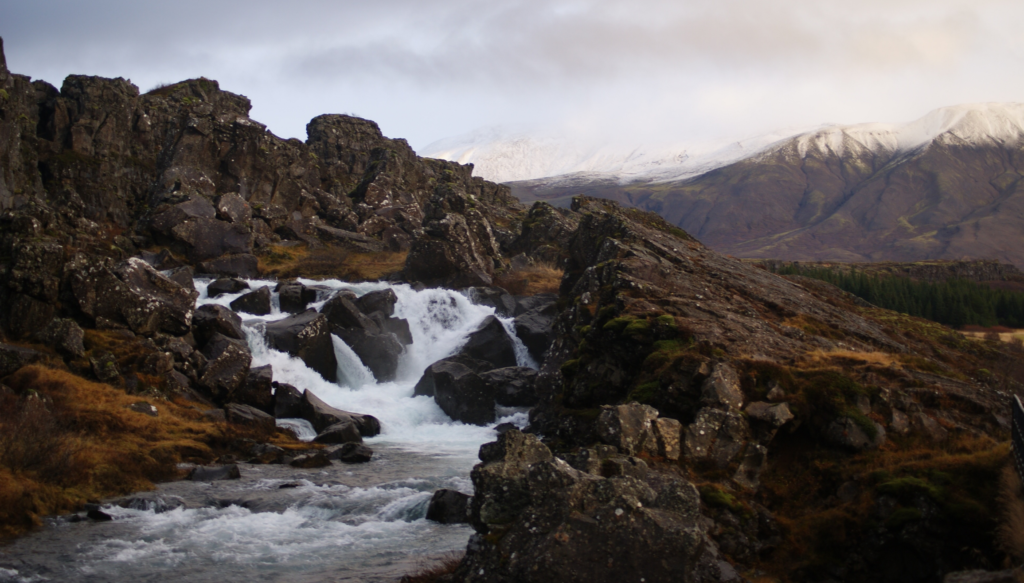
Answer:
(947, 186)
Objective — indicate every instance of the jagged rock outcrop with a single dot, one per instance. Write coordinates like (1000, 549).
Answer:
(539, 519)
(307, 336)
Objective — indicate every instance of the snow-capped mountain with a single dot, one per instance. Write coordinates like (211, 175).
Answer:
(949, 185)
(507, 156)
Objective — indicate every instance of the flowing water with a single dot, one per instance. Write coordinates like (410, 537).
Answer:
(341, 523)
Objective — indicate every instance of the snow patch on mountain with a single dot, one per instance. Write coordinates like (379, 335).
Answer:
(503, 155)
(975, 124)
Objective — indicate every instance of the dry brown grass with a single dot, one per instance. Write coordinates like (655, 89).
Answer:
(330, 263)
(850, 357)
(1003, 336)
(539, 278)
(960, 475)
(1010, 534)
(67, 441)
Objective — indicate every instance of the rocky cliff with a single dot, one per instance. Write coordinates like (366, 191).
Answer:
(698, 418)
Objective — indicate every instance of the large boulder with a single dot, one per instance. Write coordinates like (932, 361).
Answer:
(342, 432)
(382, 301)
(227, 366)
(225, 285)
(716, 435)
(257, 390)
(425, 386)
(534, 328)
(14, 357)
(449, 507)
(134, 293)
(628, 428)
(462, 395)
(321, 416)
(379, 352)
(512, 385)
(294, 297)
(306, 336)
(538, 519)
(216, 319)
(490, 343)
(206, 239)
(287, 401)
(503, 303)
(255, 302)
(350, 453)
(250, 417)
(378, 349)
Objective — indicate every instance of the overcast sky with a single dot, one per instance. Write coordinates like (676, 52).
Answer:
(676, 70)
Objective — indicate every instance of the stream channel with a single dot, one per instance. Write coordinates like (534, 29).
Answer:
(363, 522)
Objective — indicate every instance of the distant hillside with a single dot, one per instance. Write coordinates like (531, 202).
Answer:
(947, 186)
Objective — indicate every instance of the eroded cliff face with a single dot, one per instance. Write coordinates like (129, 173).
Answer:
(100, 169)
(791, 407)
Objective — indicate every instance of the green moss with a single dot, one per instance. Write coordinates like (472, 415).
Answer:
(638, 328)
(903, 516)
(645, 393)
(666, 319)
(866, 425)
(907, 488)
(4, 96)
(570, 367)
(584, 330)
(715, 497)
(617, 324)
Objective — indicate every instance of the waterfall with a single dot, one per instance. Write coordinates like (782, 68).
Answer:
(361, 522)
(440, 321)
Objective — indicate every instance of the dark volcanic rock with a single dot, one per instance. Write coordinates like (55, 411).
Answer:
(308, 337)
(65, 335)
(316, 459)
(134, 293)
(214, 473)
(213, 319)
(225, 285)
(232, 265)
(425, 386)
(449, 507)
(350, 453)
(249, 416)
(227, 366)
(490, 343)
(534, 328)
(287, 401)
(342, 432)
(378, 301)
(295, 297)
(462, 395)
(378, 349)
(503, 303)
(538, 519)
(256, 302)
(321, 416)
(512, 386)
(257, 390)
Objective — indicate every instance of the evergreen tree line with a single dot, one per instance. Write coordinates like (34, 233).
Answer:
(956, 303)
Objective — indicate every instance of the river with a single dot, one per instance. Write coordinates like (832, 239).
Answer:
(341, 523)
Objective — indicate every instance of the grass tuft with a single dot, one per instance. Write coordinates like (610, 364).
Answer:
(539, 278)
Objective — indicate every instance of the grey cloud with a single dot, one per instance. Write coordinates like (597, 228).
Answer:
(619, 64)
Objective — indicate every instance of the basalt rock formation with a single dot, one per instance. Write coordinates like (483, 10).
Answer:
(99, 169)
(673, 365)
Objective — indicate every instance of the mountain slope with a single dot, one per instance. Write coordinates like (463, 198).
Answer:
(947, 186)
